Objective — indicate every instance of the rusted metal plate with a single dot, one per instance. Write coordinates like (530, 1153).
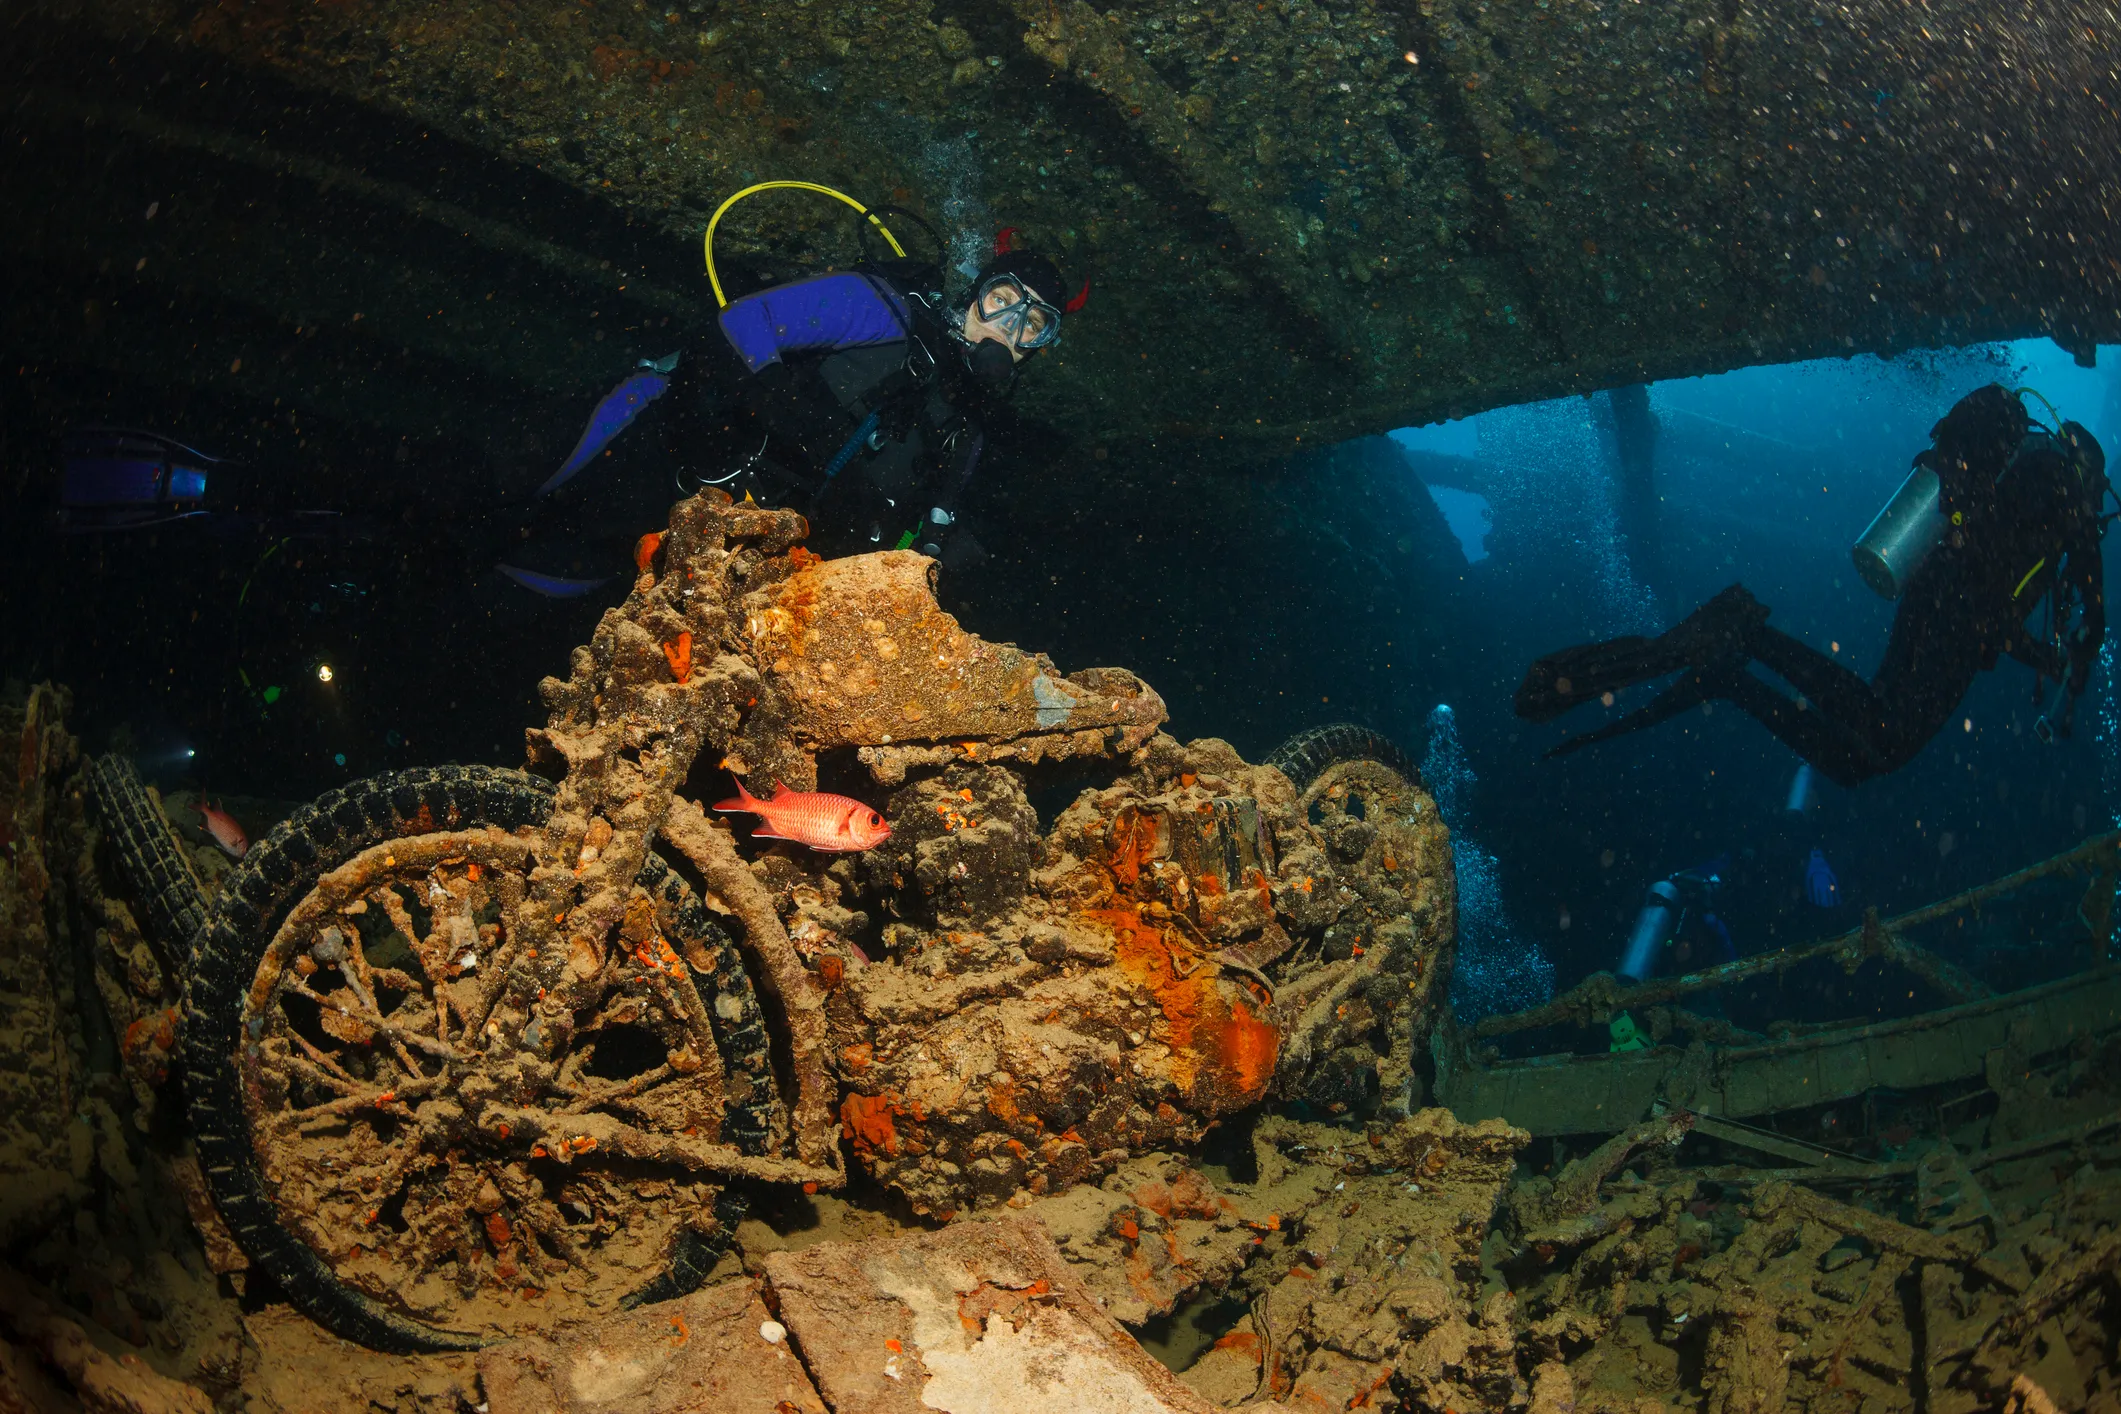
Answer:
(868, 659)
(1596, 1094)
(977, 1317)
(718, 1351)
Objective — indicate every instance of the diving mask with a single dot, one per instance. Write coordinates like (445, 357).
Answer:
(1007, 304)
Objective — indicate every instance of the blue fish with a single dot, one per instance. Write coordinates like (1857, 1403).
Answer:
(553, 586)
(613, 416)
(1820, 885)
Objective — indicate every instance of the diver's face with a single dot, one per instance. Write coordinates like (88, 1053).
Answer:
(977, 329)
(1008, 312)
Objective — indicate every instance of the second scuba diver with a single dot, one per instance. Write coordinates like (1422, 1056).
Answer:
(1998, 515)
(856, 396)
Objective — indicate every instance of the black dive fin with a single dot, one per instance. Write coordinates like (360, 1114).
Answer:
(1698, 686)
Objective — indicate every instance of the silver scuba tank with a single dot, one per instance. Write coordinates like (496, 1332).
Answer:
(1902, 536)
(1804, 790)
(1654, 927)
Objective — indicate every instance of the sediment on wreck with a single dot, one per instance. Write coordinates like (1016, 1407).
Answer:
(43, 1050)
(97, 1250)
(1004, 1011)
(1052, 1017)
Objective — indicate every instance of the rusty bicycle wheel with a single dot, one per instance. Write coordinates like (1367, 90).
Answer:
(390, 1127)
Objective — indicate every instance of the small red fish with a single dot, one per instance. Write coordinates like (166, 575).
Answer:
(834, 824)
(226, 832)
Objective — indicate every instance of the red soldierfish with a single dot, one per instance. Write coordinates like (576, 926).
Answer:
(226, 832)
(835, 824)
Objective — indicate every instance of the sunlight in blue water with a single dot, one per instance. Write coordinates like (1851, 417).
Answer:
(1470, 517)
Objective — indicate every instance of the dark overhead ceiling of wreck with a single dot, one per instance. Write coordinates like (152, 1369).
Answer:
(1300, 220)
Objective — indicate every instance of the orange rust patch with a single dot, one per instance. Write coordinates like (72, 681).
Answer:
(1223, 1055)
(831, 971)
(798, 599)
(644, 550)
(802, 559)
(1186, 1197)
(656, 955)
(497, 1230)
(975, 1307)
(157, 1029)
(1001, 1103)
(1133, 845)
(857, 1056)
(868, 1122)
(680, 656)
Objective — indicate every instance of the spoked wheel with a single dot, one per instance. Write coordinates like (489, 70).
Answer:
(394, 1126)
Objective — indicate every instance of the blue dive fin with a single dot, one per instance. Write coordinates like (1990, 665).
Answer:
(613, 415)
(554, 586)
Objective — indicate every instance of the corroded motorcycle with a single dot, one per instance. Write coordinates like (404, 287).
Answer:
(469, 1051)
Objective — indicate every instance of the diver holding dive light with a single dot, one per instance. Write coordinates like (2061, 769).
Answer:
(1998, 515)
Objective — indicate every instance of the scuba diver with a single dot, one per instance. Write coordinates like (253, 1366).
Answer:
(1678, 923)
(855, 396)
(1677, 931)
(1998, 515)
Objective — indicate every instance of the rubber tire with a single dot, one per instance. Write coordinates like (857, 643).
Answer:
(273, 877)
(1304, 756)
(150, 862)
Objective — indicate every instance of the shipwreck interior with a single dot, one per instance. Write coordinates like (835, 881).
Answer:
(1226, 1022)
